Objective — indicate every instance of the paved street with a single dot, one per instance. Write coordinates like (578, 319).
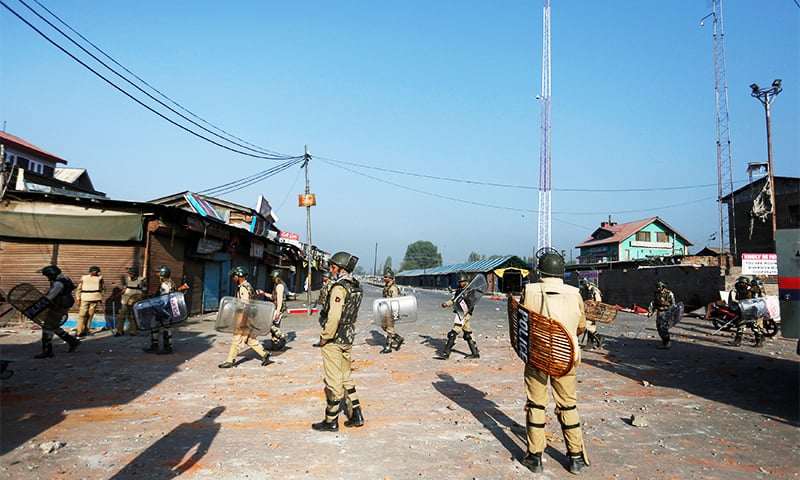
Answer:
(706, 410)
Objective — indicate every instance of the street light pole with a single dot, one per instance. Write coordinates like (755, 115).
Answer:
(766, 97)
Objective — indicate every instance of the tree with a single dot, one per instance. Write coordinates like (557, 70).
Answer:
(474, 257)
(386, 264)
(359, 270)
(421, 254)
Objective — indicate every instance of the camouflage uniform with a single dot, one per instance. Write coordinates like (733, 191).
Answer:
(60, 295)
(663, 300)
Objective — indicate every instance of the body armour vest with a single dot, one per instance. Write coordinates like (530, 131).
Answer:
(90, 288)
(661, 300)
(245, 292)
(282, 295)
(346, 332)
(134, 286)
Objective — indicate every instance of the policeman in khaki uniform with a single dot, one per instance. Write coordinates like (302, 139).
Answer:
(338, 318)
(242, 334)
(135, 286)
(89, 294)
(551, 297)
(390, 289)
(279, 298)
(326, 288)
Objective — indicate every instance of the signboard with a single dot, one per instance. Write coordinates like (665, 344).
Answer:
(203, 207)
(306, 200)
(290, 236)
(209, 245)
(262, 207)
(759, 264)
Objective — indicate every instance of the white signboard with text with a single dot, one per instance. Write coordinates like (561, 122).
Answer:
(759, 264)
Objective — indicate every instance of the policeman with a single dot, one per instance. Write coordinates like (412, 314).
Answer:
(165, 287)
(590, 292)
(325, 289)
(743, 290)
(60, 296)
(135, 287)
(390, 289)
(663, 300)
(551, 297)
(242, 334)
(757, 288)
(459, 327)
(338, 317)
(89, 294)
(279, 298)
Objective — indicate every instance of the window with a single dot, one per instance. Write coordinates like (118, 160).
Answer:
(35, 167)
(662, 237)
(642, 236)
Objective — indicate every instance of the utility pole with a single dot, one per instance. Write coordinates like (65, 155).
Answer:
(545, 190)
(375, 265)
(307, 200)
(766, 96)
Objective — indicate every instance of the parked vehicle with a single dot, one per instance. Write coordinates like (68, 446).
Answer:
(725, 317)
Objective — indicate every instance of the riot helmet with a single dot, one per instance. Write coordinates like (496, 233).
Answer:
(51, 272)
(344, 261)
(164, 271)
(275, 273)
(551, 263)
(757, 282)
(462, 277)
(326, 274)
(744, 280)
(94, 268)
(660, 283)
(388, 273)
(133, 271)
(239, 271)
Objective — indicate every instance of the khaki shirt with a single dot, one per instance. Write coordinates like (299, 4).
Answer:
(336, 299)
(133, 286)
(563, 304)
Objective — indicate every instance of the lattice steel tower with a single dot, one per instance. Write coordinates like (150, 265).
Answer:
(544, 237)
(727, 223)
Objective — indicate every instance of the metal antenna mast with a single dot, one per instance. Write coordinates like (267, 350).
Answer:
(544, 237)
(727, 223)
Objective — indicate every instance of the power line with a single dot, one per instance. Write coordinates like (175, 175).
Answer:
(121, 90)
(521, 187)
(250, 180)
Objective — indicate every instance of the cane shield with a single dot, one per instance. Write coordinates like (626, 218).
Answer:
(29, 300)
(466, 300)
(236, 316)
(540, 341)
(161, 311)
(402, 309)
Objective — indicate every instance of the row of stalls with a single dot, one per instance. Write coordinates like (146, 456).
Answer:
(503, 274)
(199, 238)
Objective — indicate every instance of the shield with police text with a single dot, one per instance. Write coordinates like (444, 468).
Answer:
(253, 318)
(161, 311)
(539, 340)
(27, 299)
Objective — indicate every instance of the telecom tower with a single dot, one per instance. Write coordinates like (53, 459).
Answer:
(544, 238)
(727, 224)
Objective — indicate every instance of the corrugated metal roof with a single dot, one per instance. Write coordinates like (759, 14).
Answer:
(479, 266)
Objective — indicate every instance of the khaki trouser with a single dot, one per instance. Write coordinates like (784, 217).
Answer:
(240, 340)
(464, 327)
(126, 312)
(85, 315)
(338, 384)
(388, 324)
(566, 398)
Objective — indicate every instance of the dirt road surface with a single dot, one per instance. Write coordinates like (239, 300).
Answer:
(702, 410)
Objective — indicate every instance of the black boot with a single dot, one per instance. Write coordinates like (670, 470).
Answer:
(577, 463)
(356, 419)
(47, 350)
(324, 426)
(737, 340)
(759, 340)
(473, 348)
(265, 360)
(388, 347)
(533, 461)
(451, 340)
(167, 339)
(71, 341)
(398, 340)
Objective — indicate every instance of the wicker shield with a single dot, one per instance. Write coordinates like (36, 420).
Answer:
(540, 341)
(599, 312)
(27, 299)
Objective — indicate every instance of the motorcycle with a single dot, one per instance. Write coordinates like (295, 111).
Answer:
(725, 317)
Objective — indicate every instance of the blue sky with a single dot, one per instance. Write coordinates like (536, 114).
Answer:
(423, 93)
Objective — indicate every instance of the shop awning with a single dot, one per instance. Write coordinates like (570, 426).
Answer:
(48, 221)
